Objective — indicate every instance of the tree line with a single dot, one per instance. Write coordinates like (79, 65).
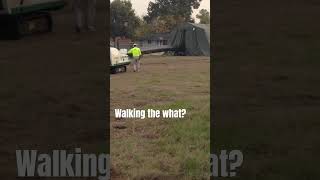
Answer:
(162, 16)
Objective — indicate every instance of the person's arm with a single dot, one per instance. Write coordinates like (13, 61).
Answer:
(129, 53)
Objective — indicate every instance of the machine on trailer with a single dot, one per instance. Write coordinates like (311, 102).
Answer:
(118, 61)
(22, 17)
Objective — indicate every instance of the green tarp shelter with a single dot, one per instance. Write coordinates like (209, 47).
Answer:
(192, 39)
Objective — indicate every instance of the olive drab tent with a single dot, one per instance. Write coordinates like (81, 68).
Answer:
(192, 39)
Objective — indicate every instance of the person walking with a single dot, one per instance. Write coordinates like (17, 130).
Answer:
(84, 12)
(136, 54)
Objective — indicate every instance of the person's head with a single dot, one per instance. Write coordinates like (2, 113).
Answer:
(134, 45)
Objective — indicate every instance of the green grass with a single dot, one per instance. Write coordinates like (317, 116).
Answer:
(181, 147)
(164, 148)
(189, 139)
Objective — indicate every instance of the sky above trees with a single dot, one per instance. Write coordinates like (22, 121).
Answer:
(140, 7)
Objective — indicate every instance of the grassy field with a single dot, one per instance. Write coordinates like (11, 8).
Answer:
(159, 148)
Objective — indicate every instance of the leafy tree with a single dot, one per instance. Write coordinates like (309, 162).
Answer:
(177, 8)
(204, 16)
(163, 24)
(143, 29)
(122, 19)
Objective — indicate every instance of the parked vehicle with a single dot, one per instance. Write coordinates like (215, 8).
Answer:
(118, 60)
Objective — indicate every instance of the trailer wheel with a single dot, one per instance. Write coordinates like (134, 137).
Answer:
(123, 69)
(120, 69)
(113, 71)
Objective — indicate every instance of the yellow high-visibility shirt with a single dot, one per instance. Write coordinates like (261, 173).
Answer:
(136, 52)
